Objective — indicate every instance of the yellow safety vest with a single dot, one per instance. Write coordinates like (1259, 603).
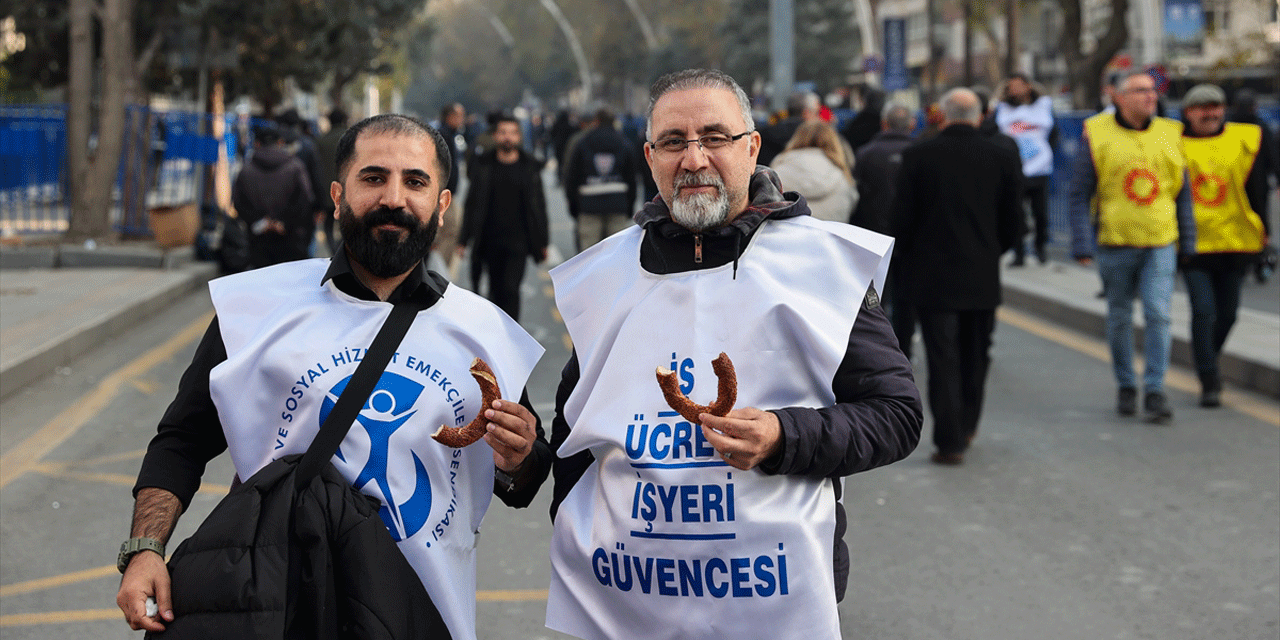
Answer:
(1219, 166)
(1139, 176)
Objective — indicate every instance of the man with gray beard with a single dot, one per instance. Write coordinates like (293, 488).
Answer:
(721, 264)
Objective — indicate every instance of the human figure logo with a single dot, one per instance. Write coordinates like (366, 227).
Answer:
(388, 408)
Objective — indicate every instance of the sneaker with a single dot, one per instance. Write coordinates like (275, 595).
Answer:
(1127, 402)
(1211, 398)
(1042, 256)
(1156, 408)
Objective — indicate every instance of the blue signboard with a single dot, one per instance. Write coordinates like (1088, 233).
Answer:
(896, 76)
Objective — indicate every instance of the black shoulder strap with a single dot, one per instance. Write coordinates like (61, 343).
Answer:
(353, 397)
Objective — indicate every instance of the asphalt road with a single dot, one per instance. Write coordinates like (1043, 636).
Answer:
(1065, 522)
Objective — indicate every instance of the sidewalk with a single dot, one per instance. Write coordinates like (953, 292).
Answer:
(1066, 294)
(48, 317)
(51, 316)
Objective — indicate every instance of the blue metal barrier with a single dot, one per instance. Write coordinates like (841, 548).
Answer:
(159, 166)
(33, 149)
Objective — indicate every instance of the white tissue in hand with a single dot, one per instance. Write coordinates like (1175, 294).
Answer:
(152, 609)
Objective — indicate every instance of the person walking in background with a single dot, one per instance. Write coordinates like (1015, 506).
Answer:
(1027, 117)
(1229, 188)
(505, 217)
(876, 176)
(1244, 109)
(801, 106)
(813, 165)
(725, 262)
(1133, 164)
(865, 124)
(562, 128)
(600, 182)
(957, 211)
(876, 169)
(298, 141)
(327, 153)
(272, 194)
(453, 120)
(482, 142)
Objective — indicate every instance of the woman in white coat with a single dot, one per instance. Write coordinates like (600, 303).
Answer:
(814, 164)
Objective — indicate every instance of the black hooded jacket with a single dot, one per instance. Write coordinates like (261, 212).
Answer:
(877, 416)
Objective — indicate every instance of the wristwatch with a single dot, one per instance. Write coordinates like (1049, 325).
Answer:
(505, 480)
(133, 546)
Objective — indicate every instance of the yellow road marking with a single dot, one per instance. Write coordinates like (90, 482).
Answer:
(568, 342)
(1176, 378)
(53, 582)
(146, 386)
(55, 617)
(30, 451)
(511, 595)
(549, 292)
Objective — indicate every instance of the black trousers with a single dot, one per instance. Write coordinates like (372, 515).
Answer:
(505, 271)
(957, 346)
(1036, 191)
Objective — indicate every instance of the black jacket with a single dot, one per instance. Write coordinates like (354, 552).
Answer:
(957, 210)
(877, 416)
(876, 174)
(601, 175)
(774, 138)
(317, 564)
(477, 210)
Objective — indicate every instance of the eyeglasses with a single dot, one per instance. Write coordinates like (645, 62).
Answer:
(709, 142)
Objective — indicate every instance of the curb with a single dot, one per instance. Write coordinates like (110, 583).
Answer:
(17, 375)
(1085, 316)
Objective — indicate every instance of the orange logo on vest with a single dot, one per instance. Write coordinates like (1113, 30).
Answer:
(1217, 187)
(1131, 180)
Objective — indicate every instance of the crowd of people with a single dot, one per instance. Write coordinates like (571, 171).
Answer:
(802, 256)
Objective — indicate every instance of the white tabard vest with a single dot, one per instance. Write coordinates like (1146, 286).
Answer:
(292, 346)
(660, 538)
(1029, 125)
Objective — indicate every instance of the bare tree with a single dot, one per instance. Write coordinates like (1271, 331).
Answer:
(1084, 71)
(94, 142)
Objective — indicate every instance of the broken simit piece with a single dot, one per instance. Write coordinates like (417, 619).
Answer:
(458, 437)
(727, 393)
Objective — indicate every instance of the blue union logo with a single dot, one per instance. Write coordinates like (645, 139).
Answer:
(389, 407)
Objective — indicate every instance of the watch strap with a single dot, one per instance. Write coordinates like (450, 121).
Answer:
(134, 546)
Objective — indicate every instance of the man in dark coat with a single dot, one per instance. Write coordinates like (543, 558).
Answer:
(876, 171)
(600, 182)
(505, 217)
(957, 210)
(801, 106)
(272, 194)
(327, 150)
(866, 123)
(876, 174)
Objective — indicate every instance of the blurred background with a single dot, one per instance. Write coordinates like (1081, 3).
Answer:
(112, 109)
